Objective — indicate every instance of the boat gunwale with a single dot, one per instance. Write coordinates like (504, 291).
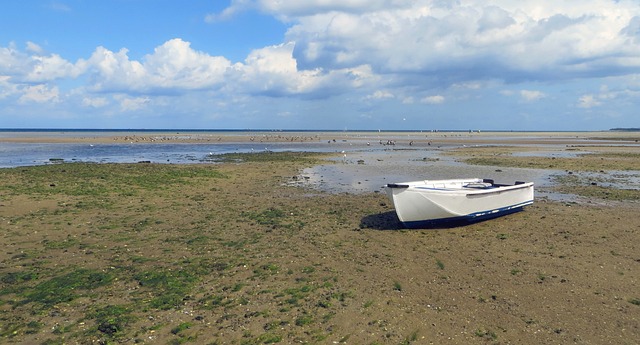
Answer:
(461, 190)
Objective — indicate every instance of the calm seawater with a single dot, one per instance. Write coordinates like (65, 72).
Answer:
(29, 154)
(26, 154)
(20, 154)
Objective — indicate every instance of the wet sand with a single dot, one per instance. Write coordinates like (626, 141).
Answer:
(244, 253)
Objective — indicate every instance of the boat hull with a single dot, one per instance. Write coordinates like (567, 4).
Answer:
(422, 204)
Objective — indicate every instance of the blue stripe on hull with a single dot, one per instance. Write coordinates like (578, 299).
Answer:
(464, 220)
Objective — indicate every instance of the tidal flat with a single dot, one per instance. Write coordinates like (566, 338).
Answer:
(238, 252)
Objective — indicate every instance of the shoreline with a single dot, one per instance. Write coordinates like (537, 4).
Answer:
(369, 160)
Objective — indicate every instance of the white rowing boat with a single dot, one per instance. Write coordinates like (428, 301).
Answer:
(428, 203)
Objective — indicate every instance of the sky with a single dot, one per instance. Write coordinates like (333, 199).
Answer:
(320, 64)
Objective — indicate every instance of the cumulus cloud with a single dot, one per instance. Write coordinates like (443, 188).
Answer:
(459, 41)
(175, 67)
(39, 94)
(12, 61)
(273, 71)
(381, 49)
(33, 66)
(447, 43)
(52, 67)
(172, 66)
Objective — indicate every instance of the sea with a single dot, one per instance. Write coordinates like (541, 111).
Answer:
(361, 168)
(16, 154)
(37, 152)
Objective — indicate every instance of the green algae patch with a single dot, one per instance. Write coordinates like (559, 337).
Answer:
(269, 156)
(65, 288)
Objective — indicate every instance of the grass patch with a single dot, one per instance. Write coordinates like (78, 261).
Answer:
(167, 287)
(90, 179)
(267, 338)
(600, 192)
(270, 217)
(273, 218)
(268, 156)
(14, 278)
(266, 270)
(112, 320)
(492, 156)
(66, 288)
(181, 327)
(304, 320)
(577, 185)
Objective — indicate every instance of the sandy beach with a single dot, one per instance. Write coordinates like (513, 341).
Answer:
(247, 251)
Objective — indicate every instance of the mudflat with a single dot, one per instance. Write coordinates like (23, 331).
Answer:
(242, 252)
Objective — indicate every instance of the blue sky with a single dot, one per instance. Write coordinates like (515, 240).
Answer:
(320, 64)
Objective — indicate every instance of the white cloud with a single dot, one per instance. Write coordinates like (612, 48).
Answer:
(12, 61)
(437, 99)
(172, 66)
(176, 64)
(39, 94)
(132, 103)
(355, 50)
(111, 71)
(6, 87)
(429, 44)
(48, 68)
(273, 71)
(33, 66)
(623, 95)
(455, 42)
(588, 101)
(531, 95)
